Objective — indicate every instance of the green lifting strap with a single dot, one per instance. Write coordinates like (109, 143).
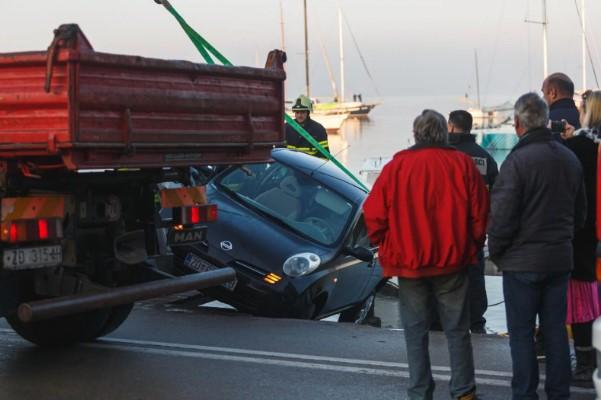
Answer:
(205, 47)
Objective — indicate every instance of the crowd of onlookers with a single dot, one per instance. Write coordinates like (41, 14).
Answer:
(430, 211)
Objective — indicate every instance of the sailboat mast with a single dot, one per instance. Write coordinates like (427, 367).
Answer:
(341, 97)
(583, 22)
(477, 77)
(308, 87)
(282, 32)
(545, 41)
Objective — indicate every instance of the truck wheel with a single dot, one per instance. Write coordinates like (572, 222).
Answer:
(359, 313)
(117, 316)
(61, 330)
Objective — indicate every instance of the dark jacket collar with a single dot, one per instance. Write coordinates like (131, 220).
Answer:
(431, 146)
(563, 103)
(535, 135)
(458, 138)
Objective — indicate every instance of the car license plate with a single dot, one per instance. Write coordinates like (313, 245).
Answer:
(32, 257)
(200, 265)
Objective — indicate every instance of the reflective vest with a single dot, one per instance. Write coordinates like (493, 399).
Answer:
(295, 141)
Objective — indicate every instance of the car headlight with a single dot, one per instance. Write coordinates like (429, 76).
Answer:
(301, 264)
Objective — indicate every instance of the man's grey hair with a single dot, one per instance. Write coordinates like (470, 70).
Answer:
(430, 127)
(532, 111)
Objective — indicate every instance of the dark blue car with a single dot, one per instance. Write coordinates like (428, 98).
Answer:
(293, 230)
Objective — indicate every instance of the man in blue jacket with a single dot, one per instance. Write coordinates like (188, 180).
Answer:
(537, 203)
(558, 92)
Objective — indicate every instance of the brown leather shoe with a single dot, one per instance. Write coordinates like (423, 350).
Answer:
(471, 395)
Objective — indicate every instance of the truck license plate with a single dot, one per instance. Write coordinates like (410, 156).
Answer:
(32, 257)
(199, 265)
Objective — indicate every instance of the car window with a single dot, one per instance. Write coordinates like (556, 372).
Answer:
(359, 235)
(300, 202)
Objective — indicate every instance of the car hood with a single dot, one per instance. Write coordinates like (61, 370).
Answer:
(243, 234)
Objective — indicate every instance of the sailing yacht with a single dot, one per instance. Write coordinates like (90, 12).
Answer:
(356, 108)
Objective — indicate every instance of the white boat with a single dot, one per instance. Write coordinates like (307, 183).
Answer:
(491, 117)
(371, 168)
(354, 108)
(332, 122)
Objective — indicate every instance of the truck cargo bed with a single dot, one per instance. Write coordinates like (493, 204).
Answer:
(76, 108)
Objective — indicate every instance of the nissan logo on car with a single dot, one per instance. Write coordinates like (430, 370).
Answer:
(226, 245)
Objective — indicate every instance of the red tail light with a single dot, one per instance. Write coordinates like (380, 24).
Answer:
(14, 233)
(43, 229)
(32, 230)
(195, 214)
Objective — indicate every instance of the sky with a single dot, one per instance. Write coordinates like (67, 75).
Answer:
(412, 47)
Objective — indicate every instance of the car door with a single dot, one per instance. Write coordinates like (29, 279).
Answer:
(353, 275)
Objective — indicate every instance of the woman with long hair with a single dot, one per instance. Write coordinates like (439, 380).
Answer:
(583, 294)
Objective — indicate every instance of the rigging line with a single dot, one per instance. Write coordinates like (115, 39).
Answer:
(588, 50)
(373, 82)
(528, 47)
(326, 59)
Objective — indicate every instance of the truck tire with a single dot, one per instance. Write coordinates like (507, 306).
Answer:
(117, 316)
(58, 331)
(62, 331)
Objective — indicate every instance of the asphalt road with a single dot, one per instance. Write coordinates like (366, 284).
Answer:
(178, 351)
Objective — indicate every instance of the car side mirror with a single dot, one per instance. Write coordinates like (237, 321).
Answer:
(360, 253)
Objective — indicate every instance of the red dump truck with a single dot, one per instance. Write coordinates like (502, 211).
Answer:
(87, 141)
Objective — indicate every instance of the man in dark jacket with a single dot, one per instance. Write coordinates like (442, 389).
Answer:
(302, 114)
(537, 202)
(558, 92)
(422, 186)
(460, 126)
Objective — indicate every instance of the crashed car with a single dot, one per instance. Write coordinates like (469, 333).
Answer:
(293, 230)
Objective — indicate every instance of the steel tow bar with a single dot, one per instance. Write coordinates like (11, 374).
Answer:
(67, 305)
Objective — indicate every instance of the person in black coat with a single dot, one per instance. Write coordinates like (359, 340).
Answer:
(537, 203)
(302, 109)
(460, 126)
(583, 299)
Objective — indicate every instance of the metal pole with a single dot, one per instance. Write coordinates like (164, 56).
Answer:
(282, 35)
(283, 39)
(477, 78)
(545, 42)
(341, 45)
(308, 86)
(67, 305)
(583, 46)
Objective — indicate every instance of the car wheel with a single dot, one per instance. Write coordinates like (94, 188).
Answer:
(359, 313)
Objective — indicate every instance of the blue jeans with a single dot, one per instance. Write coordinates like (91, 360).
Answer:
(526, 295)
(450, 295)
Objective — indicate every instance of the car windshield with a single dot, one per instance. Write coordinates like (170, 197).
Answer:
(292, 198)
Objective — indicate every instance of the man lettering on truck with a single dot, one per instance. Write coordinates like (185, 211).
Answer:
(302, 109)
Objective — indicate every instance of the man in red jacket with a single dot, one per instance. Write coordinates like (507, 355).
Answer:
(427, 213)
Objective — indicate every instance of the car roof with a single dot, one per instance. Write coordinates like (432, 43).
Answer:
(321, 170)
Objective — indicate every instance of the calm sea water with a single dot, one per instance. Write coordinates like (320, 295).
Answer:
(387, 131)
(388, 128)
